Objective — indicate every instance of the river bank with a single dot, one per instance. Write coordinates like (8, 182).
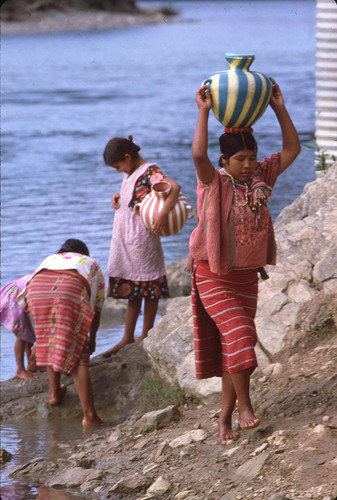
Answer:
(160, 437)
(53, 21)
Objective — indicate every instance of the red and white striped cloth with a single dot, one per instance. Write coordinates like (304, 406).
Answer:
(224, 308)
(59, 305)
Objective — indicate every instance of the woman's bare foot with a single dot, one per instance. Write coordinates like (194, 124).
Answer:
(56, 399)
(226, 433)
(25, 374)
(95, 420)
(116, 348)
(247, 419)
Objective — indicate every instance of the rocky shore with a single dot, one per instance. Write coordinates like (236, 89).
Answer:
(55, 21)
(161, 440)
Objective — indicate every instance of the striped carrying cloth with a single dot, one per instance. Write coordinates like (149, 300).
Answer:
(224, 307)
(59, 304)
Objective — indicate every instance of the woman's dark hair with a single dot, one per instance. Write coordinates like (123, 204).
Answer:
(232, 143)
(73, 245)
(118, 147)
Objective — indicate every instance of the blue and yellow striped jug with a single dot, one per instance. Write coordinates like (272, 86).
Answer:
(239, 96)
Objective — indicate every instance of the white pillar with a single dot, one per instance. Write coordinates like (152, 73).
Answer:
(326, 75)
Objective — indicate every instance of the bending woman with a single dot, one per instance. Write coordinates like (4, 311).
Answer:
(65, 296)
(233, 239)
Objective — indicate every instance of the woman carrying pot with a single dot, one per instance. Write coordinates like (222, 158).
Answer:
(233, 240)
(136, 266)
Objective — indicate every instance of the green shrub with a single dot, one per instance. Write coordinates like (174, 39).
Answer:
(156, 394)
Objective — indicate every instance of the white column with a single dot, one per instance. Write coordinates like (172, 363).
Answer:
(326, 75)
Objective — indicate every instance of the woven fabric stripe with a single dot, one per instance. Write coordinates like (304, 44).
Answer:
(59, 305)
(224, 308)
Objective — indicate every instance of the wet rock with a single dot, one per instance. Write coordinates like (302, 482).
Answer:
(116, 382)
(159, 487)
(5, 456)
(39, 467)
(73, 477)
(188, 438)
(157, 419)
(131, 484)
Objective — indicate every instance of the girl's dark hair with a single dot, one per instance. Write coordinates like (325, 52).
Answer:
(73, 245)
(118, 147)
(232, 143)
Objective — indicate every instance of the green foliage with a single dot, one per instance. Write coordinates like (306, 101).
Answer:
(323, 160)
(324, 321)
(156, 394)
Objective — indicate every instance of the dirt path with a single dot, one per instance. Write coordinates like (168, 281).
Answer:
(292, 455)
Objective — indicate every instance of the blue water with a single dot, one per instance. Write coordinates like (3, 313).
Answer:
(65, 95)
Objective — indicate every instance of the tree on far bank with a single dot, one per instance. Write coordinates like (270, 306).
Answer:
(12, 10)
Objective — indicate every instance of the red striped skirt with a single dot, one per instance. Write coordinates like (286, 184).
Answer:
(224, 308)
(59, 305)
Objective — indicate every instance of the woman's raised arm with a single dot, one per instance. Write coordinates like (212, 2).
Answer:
(202, 163)
(291, 146)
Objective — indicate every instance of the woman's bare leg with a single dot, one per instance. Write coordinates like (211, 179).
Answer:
(150, 311)
(56, 390)
(241, 383)
(132, 313)
(31, 357)
(83, 387)
(20, 347)
(228, 400)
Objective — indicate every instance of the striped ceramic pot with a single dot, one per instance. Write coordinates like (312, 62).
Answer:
(153, 203)
(239, 96)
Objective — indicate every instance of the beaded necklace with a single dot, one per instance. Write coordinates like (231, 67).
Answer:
(236, 201)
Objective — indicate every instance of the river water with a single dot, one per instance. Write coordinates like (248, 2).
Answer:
(65, 95)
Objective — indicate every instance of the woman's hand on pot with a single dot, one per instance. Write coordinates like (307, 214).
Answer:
(159, 222)
(204, 98)
(276, 99)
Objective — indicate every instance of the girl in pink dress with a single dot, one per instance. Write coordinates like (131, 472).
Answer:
(17, 320)
(136, 266)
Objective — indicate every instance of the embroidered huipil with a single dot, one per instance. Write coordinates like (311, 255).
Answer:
(86, 266)
(228, 236)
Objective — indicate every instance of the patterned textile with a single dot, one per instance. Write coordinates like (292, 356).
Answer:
(86, 267)
(59, 305)
(135, 253)
(12, 316)
(120, 288)
(224, 308)
(143, 184)
(215, 239)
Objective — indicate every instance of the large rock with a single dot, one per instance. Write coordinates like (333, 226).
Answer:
(305, 277)
(307, 261)
(170, 347)
(116, 381)
(179, 281)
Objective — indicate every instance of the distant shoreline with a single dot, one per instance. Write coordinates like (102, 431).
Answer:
(75, 20)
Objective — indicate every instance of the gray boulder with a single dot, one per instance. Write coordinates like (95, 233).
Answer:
(305, 278)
